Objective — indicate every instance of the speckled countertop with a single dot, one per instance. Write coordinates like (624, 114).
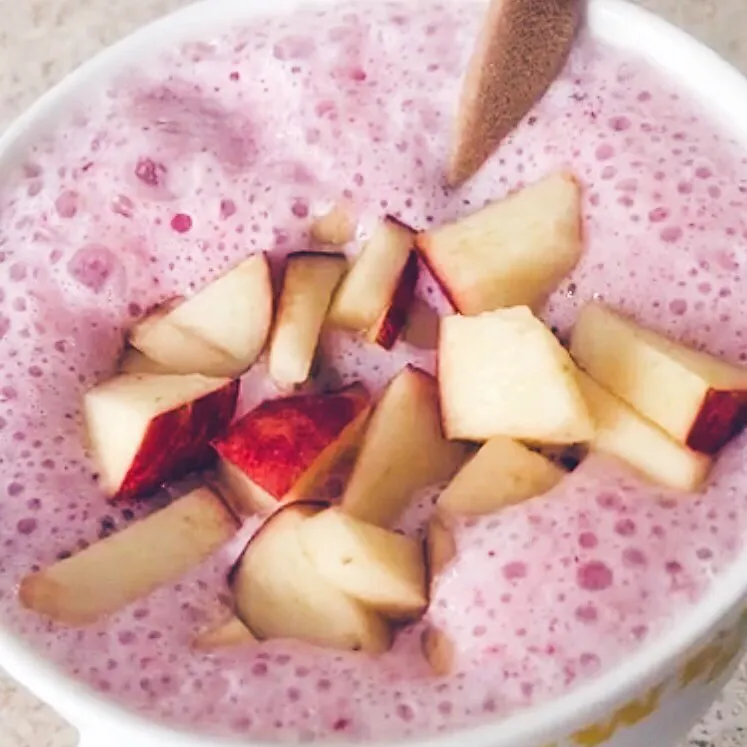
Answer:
(41, 40)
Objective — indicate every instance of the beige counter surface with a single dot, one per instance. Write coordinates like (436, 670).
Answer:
(41, 40)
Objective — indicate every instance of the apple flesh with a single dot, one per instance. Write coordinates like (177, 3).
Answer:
(134, 362)
(228, 634)
(438, 651)
(624, 434)
(129, 565)
(511, 253)
(280, 594)
(504, 373)
(370, 287)
(384, 570)
(310, 281)
(336, 227)
(440, 545)
(502, 473)
(390, 325)
(220, 331)
(285, 449)
(145, 429)
(697, 399)
(421, 329)
(403, 450)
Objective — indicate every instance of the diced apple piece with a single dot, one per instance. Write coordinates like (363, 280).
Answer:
(698, 399)
(402, 451)
(421, 330)
(336, 227)
(510, 253)
(368, 290)
(285, 449)
(145, 429)
(522, 46)
(129, 565)
(220, 331)
(134, 362)
(387, 328)
(623, 433)
(502, 473)
(310, 281)
(440, 546)
(228, 634)
(384, 570)
(438, 650)
(503, 373)
(279, 593)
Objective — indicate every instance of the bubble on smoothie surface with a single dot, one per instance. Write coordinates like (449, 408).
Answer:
(209, 152)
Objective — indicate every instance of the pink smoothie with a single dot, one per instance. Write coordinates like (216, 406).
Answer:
(228, 146)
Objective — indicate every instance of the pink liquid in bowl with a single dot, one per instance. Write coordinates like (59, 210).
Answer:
(218, 149)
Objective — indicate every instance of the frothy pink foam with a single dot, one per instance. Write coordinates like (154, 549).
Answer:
(219, 149)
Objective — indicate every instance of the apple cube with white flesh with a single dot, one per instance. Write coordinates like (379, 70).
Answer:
(421, 330)
(228, 634)
(698, 399)
(129, 565)
(387, 328)
(623, 433)
(145, 429)
(383, 569)
(440, 545)
(279, 593)
(368, 290)
(403, 450)
(310, 281)
(285, 449)
(336, 227)
(504, 373)
(438, 651)
(134, 362)
(220, 331)
(511, 253)
(502, 473)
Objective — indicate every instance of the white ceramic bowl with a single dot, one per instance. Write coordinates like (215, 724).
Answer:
(654, 697)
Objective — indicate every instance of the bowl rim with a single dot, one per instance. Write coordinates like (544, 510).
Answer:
(709, 80)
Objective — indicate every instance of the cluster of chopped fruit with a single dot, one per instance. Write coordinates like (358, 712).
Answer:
(507, 399)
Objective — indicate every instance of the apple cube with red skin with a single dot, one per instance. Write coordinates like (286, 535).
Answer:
(403, 451)
(284, 449)
(511, 253)
(309, 283)
(390, 325)
(623, 433)
(504, 373)
(367, 293)
(146, 429)
(220, 331)
(696, 398)
(279, 593)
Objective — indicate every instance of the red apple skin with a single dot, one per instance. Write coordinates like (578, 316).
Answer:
(291, 433)
(393, 321)
(178, 442)
(722, 416)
